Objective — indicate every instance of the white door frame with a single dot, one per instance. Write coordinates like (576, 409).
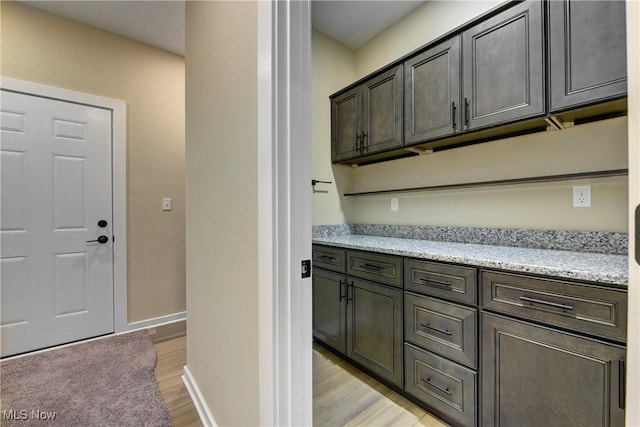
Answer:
(284, 198)
(119, 176)
(633, 330)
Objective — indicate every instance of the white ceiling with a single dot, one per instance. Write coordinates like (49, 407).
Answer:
(161, 23)
(158, 23)
(354, 22)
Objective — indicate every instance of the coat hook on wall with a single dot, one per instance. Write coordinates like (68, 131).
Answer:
(317, 181)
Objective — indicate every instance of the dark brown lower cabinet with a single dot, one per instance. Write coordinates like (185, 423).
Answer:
(329, 308)
(442, 384)
(374, 328)
(537, 376)
(360, 319)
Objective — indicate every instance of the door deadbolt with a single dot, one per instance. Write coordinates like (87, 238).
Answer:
(102, 223)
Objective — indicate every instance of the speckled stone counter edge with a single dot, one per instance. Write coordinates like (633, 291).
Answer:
(578, 241)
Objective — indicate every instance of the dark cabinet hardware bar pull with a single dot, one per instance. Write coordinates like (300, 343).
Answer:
(436, 386)
(372, 267)
(442, 331)
(349, 285)
(342, 286)
(453, 115)
(622, 375)
(365, 141)
(317, 181)
(358, 147)
(330, 258)
(427, 281)
(549, 303)
(466, 112)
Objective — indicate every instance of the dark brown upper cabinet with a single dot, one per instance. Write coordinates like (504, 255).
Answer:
(587, 51)
(432, 93)
(503, 74)
(367, 119)
(503, 67)
(345, 124)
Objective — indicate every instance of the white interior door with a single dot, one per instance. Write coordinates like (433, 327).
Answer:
(55, 165)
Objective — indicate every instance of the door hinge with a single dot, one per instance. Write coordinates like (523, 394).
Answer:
(306, 268)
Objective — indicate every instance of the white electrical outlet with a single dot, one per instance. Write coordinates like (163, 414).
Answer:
(581, 196)
(394, 203)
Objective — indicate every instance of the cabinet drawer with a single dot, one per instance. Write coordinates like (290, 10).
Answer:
(329, 257)
(381, 268)
(446, 386)
(444, 328)
(441, 280)
(581, 307)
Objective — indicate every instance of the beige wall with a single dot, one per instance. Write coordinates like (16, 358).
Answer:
(333, 67)
(43, 48)
(424, 24)
(222, 207)
(596, 146)
(589, 147)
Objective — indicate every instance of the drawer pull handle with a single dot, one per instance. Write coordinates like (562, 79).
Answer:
(442, 331)
(426, 281)
(549, 303)
(330, 258)
(372, 267)
(436, 386)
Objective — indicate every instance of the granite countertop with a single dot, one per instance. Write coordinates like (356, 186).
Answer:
(594, 267)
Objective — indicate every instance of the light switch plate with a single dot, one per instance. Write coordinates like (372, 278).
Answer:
(394, 203)
(166, 204)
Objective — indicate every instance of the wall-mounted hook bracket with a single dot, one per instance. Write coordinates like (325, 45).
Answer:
(317, 181)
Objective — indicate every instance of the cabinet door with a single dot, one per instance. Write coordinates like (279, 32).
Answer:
(432, 93)
(587, 50)
(346, 126)
(382, 112)
(536, 376)
(503, 67)
(329, 308)
(374, 330)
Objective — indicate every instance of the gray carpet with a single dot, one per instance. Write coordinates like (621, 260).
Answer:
(107, 382)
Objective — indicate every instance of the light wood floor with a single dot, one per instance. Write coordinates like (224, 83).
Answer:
(345, 396)
(171, 346)
(342, 395)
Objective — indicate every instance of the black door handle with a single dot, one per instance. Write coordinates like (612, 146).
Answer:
(102, 223)
(101, 239)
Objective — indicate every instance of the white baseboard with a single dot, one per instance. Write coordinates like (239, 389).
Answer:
(156, 321)
(198, 400)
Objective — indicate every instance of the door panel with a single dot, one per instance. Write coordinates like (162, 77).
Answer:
(13, 168)
(537, 376)
(55, 187)
(503, 66)
(432, 101)
(345, 125)
(374, 319)
(329, 312)
(587, 46)
(382, 111)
